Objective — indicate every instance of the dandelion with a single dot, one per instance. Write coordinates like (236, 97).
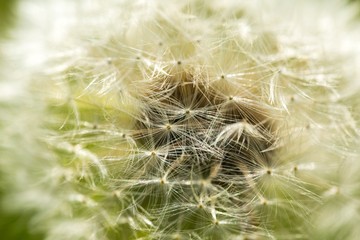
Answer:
(183, 120)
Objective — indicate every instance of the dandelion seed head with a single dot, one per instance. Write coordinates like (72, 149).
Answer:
(189, 119)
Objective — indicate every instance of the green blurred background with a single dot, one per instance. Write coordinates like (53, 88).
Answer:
(12, 226)
(7, 15)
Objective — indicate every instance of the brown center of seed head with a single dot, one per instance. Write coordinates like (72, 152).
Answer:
(228, 134)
